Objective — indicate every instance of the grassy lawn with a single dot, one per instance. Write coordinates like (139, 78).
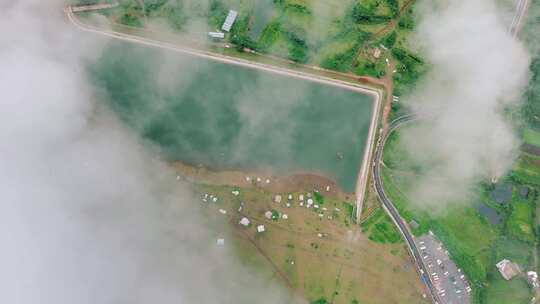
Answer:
(514, 250)
(531, 136)
(393, 182)
(526, 170)
(380, 228)
(515, 291)
(469, 239)
(519, 224)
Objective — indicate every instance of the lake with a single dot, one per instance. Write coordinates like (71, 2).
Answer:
(230, 117)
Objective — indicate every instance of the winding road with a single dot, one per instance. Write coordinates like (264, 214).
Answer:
(392, 210)
(521, 10)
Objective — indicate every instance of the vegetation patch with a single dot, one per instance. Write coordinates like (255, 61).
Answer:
(317, 32)
(380, 228)
(519, 224)
(500, 291)
(531, 136)
(474, 244)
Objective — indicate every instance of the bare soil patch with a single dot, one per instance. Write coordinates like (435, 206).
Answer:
(297, 182)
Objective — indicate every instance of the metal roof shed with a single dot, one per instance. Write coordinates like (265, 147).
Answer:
(229, 21)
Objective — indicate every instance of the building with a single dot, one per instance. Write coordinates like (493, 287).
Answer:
(377, 53)
(260, 228)
(507, 269)
(244, 221)
(524, 192)
(229, 21)
(532, 277)
(216, 35)
(502, 193)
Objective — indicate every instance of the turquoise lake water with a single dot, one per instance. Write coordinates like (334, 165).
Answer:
(230, 117)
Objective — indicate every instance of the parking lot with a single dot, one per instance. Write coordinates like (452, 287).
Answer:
(451, 284)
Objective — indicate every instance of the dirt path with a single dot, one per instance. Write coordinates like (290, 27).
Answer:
(392, 24)
(276, 269)
(387, 81)
(387, 28)
(389, 88)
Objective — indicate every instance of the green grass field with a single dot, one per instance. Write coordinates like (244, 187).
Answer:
(380, 228)
(531, 136)
(527, 169)
(515, 291)
(519, 224)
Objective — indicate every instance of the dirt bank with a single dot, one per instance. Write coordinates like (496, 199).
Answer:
(295, 182)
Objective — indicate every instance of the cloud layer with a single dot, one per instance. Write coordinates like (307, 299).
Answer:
(478, 70)
(88, 213)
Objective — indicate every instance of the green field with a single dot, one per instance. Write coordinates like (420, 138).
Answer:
(525, 169)
(531, 136)
(519, 223)
(380, 228)
(499, 291)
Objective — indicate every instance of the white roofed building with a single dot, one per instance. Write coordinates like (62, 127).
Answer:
(229, 21)
(244, 221)
(216, 35)
(507, 269)
(532, 276)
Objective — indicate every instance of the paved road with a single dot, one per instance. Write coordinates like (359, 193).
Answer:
(391, 209)
(521, 10)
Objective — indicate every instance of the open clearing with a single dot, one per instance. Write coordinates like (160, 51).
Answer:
(318, 257)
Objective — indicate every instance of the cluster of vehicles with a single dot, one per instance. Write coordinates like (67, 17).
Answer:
(448, 280)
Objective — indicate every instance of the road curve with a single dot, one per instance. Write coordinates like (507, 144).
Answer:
(521, 10)
(392, 210)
